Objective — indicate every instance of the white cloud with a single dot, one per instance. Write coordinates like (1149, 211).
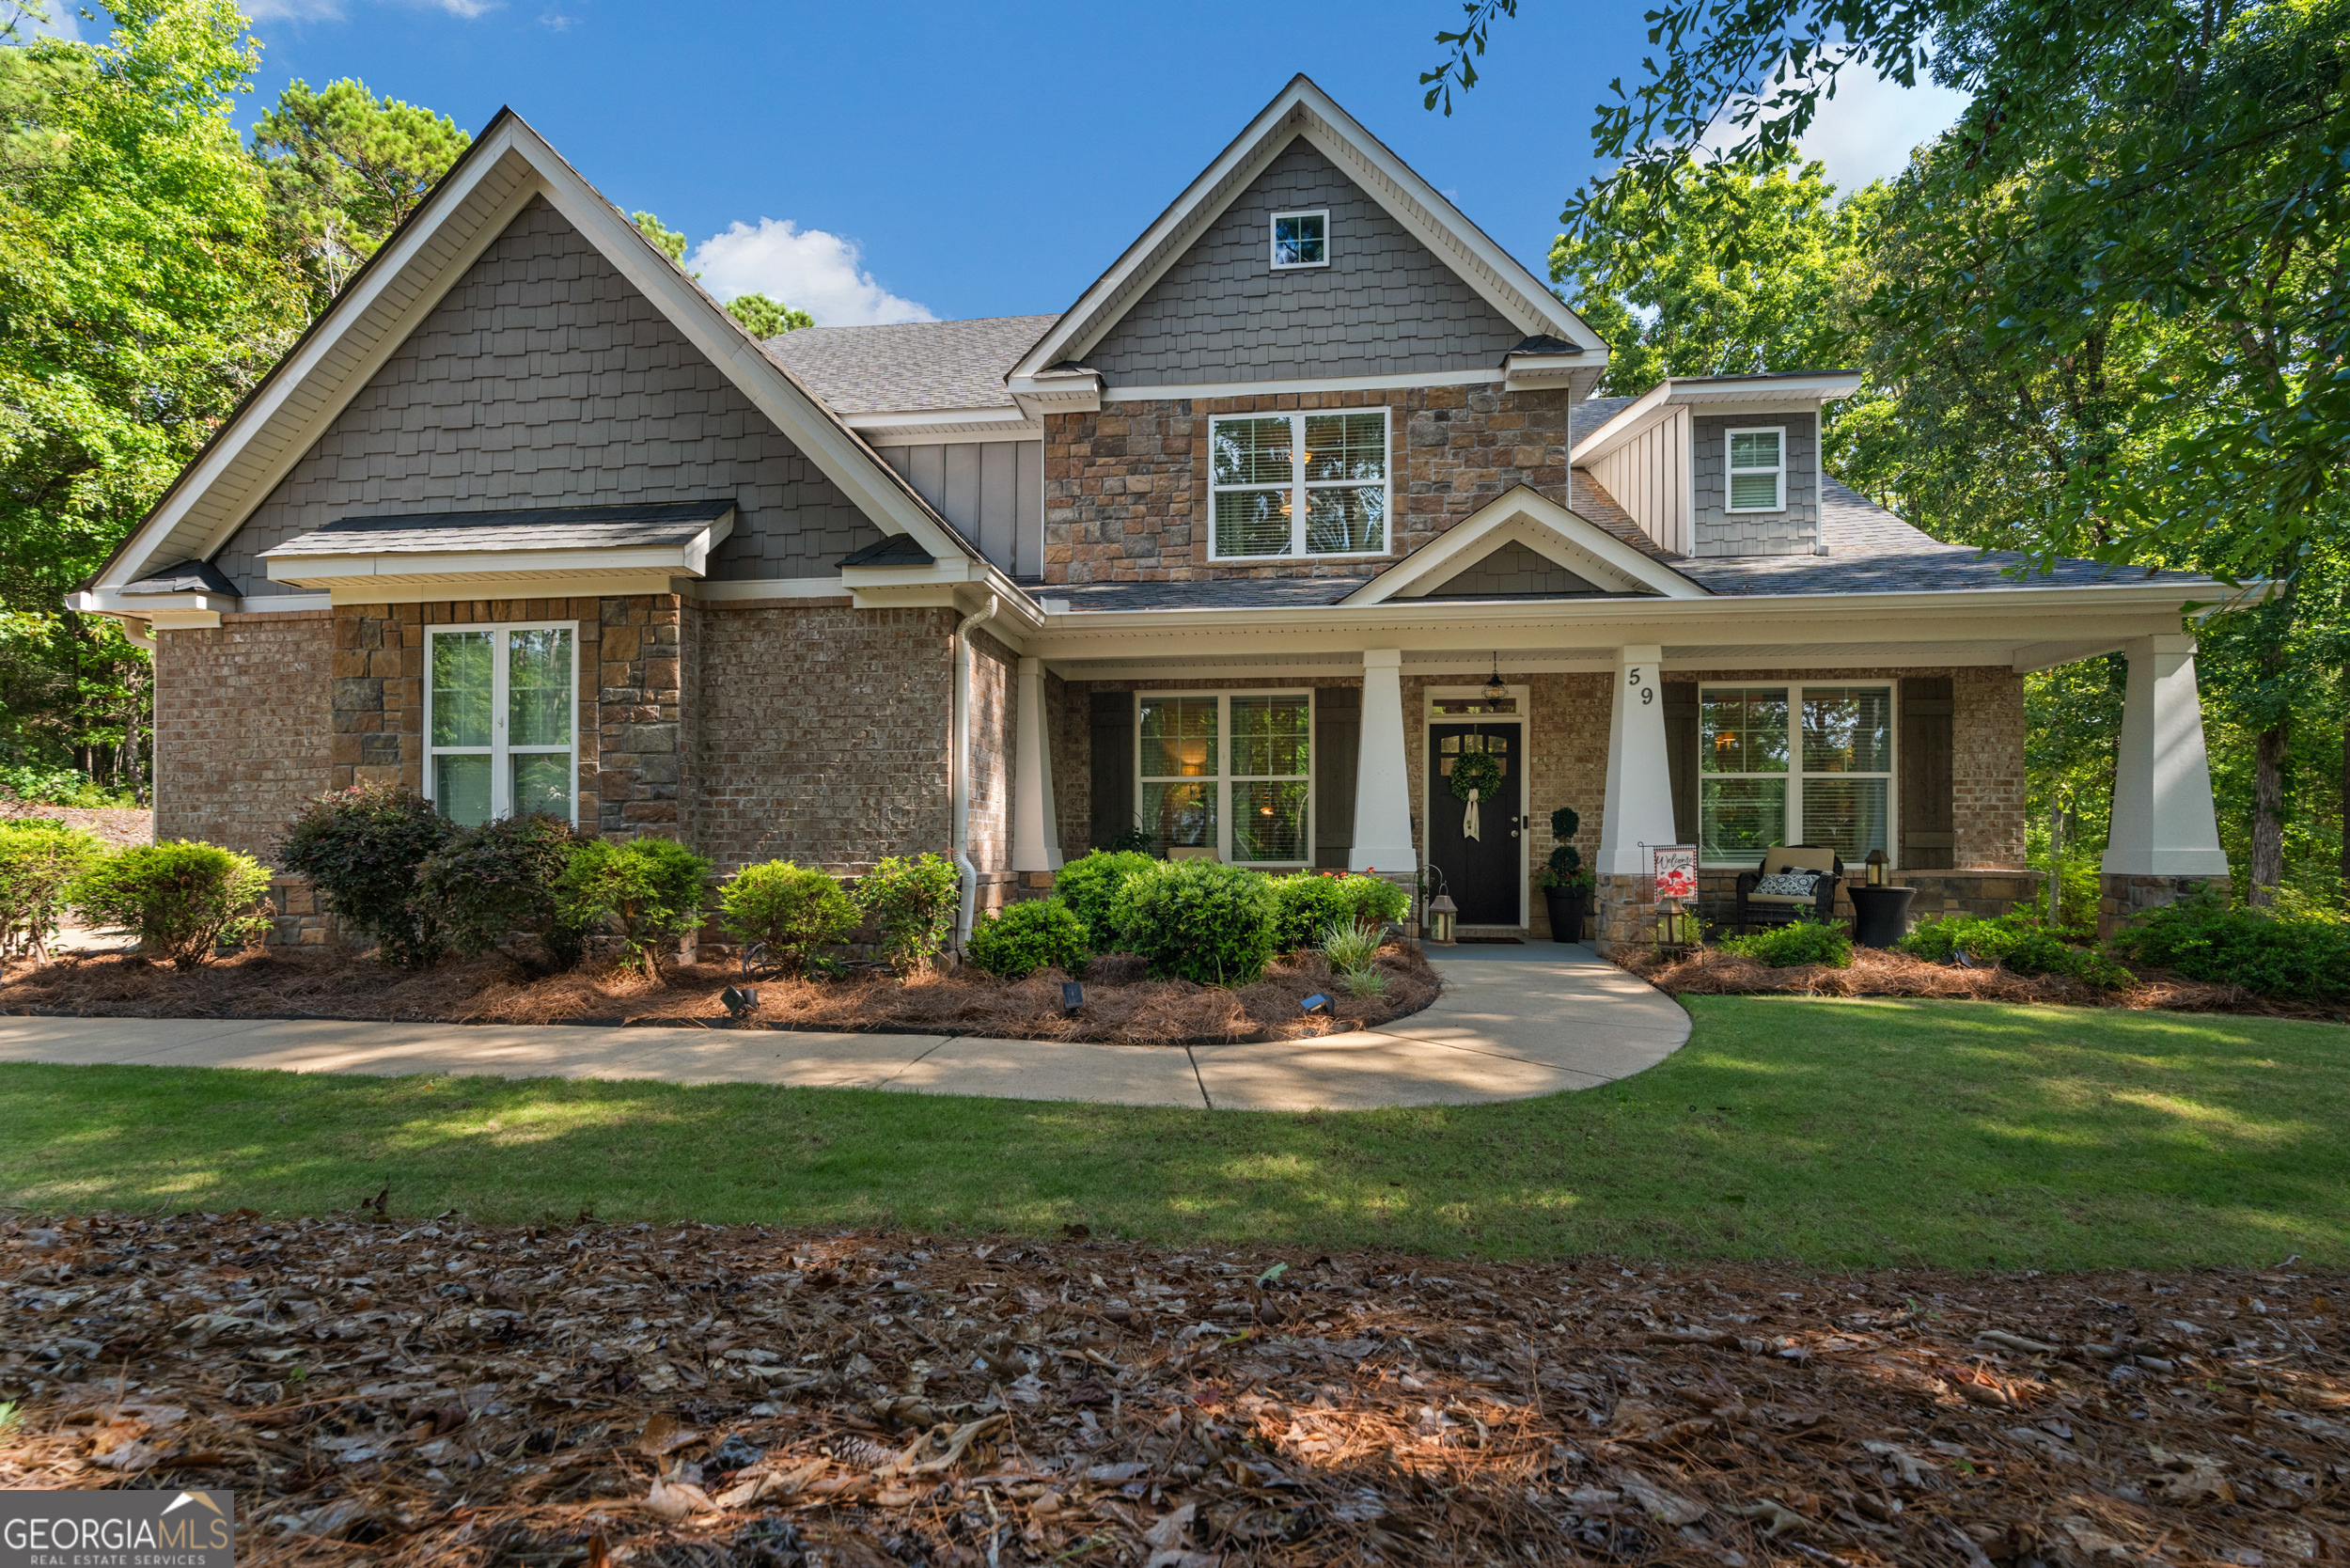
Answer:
(1867, 129)
(332, 11)
(804, 267)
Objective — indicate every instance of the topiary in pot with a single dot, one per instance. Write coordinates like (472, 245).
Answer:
(1198, 920)
(1566, 887)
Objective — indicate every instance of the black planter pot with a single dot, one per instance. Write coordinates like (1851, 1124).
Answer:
(1568, 907)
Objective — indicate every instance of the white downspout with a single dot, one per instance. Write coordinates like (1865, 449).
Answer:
(959, 776)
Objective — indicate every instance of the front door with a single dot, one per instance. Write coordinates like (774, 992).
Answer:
(1482, 873)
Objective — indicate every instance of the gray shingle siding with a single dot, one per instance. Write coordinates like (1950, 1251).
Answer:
(1723, 532)
(544, 379)
(1385, 305)
(1511, 570)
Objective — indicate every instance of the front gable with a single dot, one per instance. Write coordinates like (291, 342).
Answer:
(1523, 544)
(1383, 304)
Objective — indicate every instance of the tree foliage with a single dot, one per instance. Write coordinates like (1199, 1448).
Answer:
(767, 318)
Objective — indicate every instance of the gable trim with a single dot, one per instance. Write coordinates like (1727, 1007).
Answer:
(474, 204)
(1547, 529)
(1302, 109)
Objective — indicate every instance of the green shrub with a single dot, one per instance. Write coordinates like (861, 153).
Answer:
(1132, 841)
(913, 904)
(40, 860)
(1306, 903)
(651, 888)
(2300, 954)
(1198, 920)
(180, 900)
(361, 848)
(792, 909)
(1799, 942)
(58, 787)
(1563, 871)
(1039, 933)
(2020, 942)
(495, 882)
(1350, 948)
(1089, 886)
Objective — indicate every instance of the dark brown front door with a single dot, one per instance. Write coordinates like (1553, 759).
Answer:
(1481, 874)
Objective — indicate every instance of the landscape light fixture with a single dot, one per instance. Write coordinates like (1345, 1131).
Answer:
(1315, 1003)
(1072, 996)
(741, 1000)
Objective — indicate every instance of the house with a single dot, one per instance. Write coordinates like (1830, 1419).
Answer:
(1306, 498)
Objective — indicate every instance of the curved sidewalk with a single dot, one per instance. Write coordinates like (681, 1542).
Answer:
(1512, 1021)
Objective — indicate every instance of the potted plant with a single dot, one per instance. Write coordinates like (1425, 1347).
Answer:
(1566, 885)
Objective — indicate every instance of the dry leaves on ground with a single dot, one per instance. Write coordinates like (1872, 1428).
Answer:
(1710, 972)
(1121, 1004)
(401, 1393)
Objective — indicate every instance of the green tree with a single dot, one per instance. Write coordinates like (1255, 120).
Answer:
(346, 168)
(671, 241)
(766, 318)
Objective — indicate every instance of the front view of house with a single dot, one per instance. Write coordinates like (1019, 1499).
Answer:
(1305, 500)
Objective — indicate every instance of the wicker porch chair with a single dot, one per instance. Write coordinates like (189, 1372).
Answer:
(1758, 908)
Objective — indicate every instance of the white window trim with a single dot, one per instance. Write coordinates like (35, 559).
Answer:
(499, 751)
(1794, 774)
(1730, 441)
(1224, 780)
(1273, 242)
(1299, 484)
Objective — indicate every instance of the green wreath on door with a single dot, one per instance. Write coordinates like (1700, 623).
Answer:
(1476, 772)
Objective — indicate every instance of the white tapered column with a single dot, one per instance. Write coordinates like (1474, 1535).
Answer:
(1639, 802)
(1035, 828)
(2163, 823)
(1383, 784)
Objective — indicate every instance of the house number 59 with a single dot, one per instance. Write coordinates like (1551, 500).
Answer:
(1648, 693)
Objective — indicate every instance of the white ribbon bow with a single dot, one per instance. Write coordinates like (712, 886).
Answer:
(1468, 818)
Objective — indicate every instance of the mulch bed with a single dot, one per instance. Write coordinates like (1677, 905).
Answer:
(401, 1392)
(120, 826)
(1121, 1004)
(1710, 972)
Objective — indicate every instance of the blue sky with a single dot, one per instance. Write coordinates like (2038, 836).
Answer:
(966, 159)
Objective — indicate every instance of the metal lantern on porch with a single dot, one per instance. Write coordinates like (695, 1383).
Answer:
(1441, 910)
(1876, 868)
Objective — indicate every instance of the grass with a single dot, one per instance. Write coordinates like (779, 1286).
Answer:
(1830, 1133)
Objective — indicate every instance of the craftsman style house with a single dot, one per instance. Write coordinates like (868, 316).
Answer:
(1306, 499)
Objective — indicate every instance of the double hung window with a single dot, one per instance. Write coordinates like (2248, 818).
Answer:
(1758, 470)
(1797, 765)
(499, 721)
(1229, 773)
(1299, 484)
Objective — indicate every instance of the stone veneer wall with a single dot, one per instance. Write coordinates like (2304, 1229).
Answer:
(1126, 498)
(2123, 898)
(242, 727)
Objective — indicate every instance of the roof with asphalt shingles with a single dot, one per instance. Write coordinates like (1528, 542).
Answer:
(536, 528)
(910, 367)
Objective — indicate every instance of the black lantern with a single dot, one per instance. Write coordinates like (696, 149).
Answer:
(1876, 868)
(1494, 690)
(1441, 909)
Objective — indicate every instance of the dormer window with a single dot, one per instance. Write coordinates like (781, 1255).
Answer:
(1301, 240)
(1758, 469)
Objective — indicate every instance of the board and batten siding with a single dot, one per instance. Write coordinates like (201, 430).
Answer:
(545, 379)
(1384, 306)
(992, 490)
(1719, 531)
(1648, 477)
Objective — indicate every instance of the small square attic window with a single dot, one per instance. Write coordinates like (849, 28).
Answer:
(1301, 240)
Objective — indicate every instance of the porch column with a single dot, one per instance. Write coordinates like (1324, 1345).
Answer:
(1035, 828)
(1383, 785)
(1639, 800)
(2163, 824)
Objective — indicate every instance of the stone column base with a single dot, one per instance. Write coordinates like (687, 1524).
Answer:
(296, 919)
(1624, 912)
(2123, 897)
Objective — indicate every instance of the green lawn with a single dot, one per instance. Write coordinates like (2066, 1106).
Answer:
(1860, 1132)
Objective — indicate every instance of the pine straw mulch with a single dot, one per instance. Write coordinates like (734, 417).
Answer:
(1874, 972)
(119, 826)
(1121, 1004)
(397, 1394)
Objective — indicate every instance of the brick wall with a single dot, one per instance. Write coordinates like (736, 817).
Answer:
(1126, 494)
(824, 733)
(1987, 781)
(243, 727)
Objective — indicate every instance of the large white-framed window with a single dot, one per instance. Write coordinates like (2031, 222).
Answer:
(1301, 240)
(1228, 771)
(1288, 485)
(1795, 763)
(1757, 467)
(500, 720)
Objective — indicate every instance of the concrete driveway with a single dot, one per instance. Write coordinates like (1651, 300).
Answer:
(1512, 1021)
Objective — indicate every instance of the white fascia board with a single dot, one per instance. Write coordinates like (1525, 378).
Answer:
(933, 427)
(1470, 538)
(1733, 394)
(455, 566)
(957, 580)
(295, 375)
(1311, 384)
(704, 591)
(140, 606)
(1301, 108)
(1535, 372)
(427, 591)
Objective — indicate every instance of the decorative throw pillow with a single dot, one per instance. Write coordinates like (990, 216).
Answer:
(1800, 883)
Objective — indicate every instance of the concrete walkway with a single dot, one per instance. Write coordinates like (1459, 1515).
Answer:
(1512, 1021)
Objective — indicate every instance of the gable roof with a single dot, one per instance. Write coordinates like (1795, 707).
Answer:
(1303, 109)
(910, 367)
(505, 167)
(1529, 518)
